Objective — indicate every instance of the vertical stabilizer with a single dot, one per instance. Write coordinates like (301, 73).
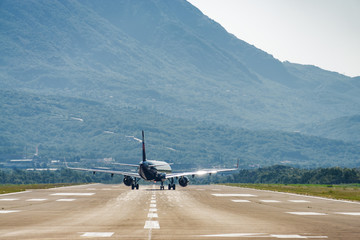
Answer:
(143, 146)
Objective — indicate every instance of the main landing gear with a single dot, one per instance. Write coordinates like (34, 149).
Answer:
(162, 186)
(135, 184)
(171, 184)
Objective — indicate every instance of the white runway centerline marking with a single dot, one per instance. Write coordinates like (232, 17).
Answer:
(152, 215)
(36, 200)
(9, 199)
(233, 195)
(241, 201)
(307, 213)
(153, 205)
(152, 210)
(72, 194)
(153, 201)
(97, 234)
(66, 200)
(9, 211)
(152, 225)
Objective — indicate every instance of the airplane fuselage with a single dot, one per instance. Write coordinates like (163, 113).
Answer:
(152, 170)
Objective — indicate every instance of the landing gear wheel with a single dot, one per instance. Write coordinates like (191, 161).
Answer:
(132, 186)
(162, 187)
(169, 186)
(137, 186)
(173, 187)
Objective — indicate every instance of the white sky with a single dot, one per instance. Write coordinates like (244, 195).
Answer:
(324, 33)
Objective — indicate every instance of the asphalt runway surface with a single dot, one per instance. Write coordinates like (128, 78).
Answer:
(100, 211)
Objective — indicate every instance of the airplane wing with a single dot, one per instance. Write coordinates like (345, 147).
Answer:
(126, 164)
(199, 172)
(132, 174)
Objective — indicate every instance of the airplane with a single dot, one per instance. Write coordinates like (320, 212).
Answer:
(152, 170)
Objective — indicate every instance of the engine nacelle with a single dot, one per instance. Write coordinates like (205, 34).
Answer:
(128, 181)
(183, 181)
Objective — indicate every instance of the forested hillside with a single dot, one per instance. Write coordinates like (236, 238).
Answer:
(81, 79)
(78, 128)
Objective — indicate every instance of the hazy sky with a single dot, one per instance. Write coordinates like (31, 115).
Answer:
(325, 33)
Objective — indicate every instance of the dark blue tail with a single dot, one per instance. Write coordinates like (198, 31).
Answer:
(143, 145)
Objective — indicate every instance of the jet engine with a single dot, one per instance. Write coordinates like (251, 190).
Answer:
(183, 181)
(128, 181)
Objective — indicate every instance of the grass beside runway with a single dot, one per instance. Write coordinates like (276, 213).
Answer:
(343, 191)
(10, 188)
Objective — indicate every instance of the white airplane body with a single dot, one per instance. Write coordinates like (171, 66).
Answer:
(152, 170)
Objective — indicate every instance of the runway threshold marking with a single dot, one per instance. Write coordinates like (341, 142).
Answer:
(263, 235)
(240, 201)
(233, 195)
(97, 234)
(293, 236)
(72, 194)
(9, 211)
(299, 201)
(235, 235)
(66, 200)
(270, 201)
(308, 196)
(349, 213)
(307, 213)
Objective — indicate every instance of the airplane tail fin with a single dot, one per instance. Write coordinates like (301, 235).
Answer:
(143, 145)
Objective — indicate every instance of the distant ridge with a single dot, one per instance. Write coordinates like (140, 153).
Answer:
(166, 56)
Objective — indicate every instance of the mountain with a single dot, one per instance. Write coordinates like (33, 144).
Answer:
(166, 56)
(72, 72)
(344, 128)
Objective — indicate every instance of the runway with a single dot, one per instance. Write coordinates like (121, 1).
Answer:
(100, 211)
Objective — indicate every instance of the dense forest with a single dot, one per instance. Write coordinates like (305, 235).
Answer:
(289, 175)
(64, 175)
(273, 174)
